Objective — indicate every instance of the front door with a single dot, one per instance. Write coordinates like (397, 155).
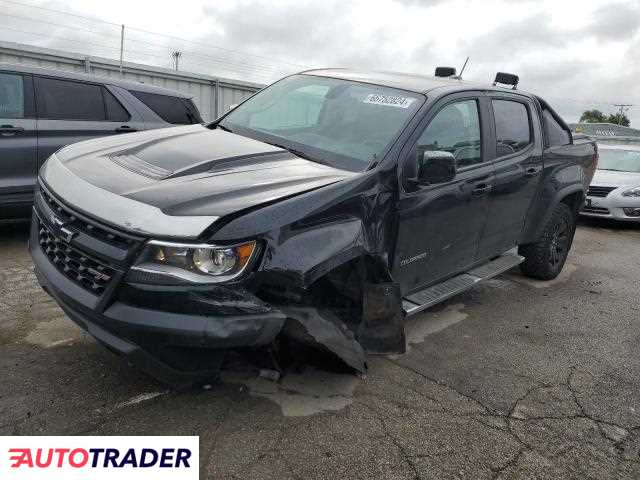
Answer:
(18, 140)
(440, 224)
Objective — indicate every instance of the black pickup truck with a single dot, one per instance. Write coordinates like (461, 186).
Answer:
(325, 209)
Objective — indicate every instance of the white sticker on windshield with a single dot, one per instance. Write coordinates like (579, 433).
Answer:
(389, 100)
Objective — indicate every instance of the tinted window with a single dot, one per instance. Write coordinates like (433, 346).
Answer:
(336, 121)
(556, 134)
(115, 111)
(11, 96)
(67, 100)
(170, 109)
(455, 129)
(513, 130)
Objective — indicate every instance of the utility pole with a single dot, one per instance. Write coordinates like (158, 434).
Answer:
(622, 106)
(176, 59)
(121, 48)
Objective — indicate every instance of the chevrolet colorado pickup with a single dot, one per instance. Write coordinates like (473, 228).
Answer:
(325, 209)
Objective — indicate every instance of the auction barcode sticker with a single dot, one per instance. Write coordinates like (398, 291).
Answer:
(389, 100)
(99, 458)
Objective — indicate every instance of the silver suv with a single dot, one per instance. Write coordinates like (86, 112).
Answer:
(42, 110)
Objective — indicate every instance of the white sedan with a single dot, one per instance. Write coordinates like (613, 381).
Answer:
(615, 188)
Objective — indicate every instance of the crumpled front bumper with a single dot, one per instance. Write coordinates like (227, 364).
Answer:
(177, 345)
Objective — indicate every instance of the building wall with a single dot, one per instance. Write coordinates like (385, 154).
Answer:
(211, 94)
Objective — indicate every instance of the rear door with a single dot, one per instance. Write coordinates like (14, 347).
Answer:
(517, 150)
(18, 166)
(439, 225)
(70, 111)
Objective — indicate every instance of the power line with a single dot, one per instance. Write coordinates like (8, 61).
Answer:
(248, 66)
(116, 49)
(279, 61)
(134, 40)
(237, 66)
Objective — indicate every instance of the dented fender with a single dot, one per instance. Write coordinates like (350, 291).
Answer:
(307, 236)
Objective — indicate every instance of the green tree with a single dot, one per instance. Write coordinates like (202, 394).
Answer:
(619, 119)
(593, 116)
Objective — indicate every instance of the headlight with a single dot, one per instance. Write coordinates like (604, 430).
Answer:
(632, 192)
(192, 263)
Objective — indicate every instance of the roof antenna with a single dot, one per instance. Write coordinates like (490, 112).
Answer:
(459, 77)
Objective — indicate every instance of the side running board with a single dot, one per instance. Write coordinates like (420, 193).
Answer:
(440, 292)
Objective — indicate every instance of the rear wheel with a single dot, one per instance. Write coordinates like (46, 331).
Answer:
(545, 258)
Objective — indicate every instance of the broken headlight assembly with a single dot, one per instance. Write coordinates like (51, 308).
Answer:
(168, 262)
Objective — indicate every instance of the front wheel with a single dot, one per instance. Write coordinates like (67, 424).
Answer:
(545, 258)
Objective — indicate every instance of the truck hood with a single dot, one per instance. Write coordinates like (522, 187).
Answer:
(610, 178)
(192, 174)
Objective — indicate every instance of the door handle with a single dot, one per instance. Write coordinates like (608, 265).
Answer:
(481, 189)
(125, 129)
(532, 171)
(10, 130)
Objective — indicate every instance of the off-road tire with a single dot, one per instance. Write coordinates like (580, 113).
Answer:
(545, 258)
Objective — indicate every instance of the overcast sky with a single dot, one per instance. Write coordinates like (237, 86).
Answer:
(577, 54)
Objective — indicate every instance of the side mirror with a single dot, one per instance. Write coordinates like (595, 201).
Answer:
(435, 166)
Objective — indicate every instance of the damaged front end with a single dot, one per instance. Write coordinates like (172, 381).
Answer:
(311, 269)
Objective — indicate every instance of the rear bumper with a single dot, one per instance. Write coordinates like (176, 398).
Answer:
(175, 347)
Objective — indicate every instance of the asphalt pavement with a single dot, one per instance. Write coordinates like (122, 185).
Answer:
(513, 379)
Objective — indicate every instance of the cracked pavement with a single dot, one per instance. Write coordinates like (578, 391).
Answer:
(513, 379)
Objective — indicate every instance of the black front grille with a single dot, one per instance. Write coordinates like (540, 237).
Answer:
(89, 273)
(596, 210)
(71, 220)
(600, 191)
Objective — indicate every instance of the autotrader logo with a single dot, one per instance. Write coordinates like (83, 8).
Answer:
(70, 458)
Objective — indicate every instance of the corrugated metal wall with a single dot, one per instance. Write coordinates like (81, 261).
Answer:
(212, 95)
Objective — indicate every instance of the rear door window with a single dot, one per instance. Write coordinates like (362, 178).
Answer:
(513, 126)
(12, 104)
(174, 110)
(69, 100)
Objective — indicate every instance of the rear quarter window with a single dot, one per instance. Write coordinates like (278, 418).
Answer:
(556, 133)
(179, 111)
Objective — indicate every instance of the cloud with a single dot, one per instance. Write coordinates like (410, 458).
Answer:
(512, 39)
(577, 54)
(617, 21)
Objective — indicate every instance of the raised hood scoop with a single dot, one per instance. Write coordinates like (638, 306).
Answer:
(194, 171)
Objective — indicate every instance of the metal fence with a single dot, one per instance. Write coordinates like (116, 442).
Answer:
(212, 95)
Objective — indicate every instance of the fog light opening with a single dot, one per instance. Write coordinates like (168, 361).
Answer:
(632, 212)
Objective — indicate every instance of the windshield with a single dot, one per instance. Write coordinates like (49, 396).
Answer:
(343, 123)
(619, 160)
